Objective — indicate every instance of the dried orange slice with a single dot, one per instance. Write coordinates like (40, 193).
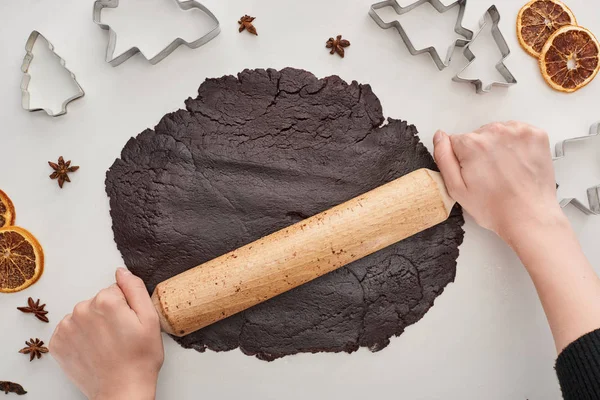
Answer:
(569, 60)
(21, 259)
(538, 20)
(7, 211)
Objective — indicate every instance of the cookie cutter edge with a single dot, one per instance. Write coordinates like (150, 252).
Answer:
(25, 95)
(593, 193)
(440, 8)
(502, 44)
(99, 5)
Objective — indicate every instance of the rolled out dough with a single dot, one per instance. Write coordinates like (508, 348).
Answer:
(253, 154)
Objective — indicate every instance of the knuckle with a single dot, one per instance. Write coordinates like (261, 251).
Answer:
(494, 127)
(63, 329)
(476, 142)
(481, 145)
(457, 141)
(56, 340)
(79, 310)
(535, 134)
(65, 322)
(60, 331)
(528, 131)
(106, 300)
(541, 135)
(62, 324)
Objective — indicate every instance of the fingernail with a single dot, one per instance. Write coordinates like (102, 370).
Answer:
(124, 271)
(438, 136)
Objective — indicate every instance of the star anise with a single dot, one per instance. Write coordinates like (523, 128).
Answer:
(36, 309)
(337, 45)
(35, 348)
(246, 24)
(62, 170)
(11, 387)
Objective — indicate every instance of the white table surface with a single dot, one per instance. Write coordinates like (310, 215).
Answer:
(485, 338)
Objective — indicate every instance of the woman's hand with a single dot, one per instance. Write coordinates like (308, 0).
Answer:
(502, 174)
(111, 346)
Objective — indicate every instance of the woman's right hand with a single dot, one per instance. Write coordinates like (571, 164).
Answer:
(502, 174)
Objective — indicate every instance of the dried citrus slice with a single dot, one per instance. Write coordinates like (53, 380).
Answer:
(7, 211)
(569, 59)
(21, 259)
(538, 20)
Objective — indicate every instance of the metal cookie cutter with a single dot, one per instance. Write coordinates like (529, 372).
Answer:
(25, 96)
(492, 15)
(593, 193)
(112, 38)
(440, 8)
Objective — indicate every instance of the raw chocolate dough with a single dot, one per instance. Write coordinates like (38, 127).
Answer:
(256, 153)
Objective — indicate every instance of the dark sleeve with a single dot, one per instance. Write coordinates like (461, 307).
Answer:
(578, 368)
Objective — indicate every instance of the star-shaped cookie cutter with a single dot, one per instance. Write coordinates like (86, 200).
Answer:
(440, 8)
(25, 95)
(493, 15)
(593, 193)
(99, 5)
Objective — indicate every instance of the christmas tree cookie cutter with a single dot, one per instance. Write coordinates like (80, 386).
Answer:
(25, 95)
(493, 15)
(99, 5)
(440, 8)
(593, 193)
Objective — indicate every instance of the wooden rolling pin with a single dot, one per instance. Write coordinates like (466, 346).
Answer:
(302, 252)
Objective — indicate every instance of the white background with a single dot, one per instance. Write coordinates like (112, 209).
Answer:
(485, 338)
